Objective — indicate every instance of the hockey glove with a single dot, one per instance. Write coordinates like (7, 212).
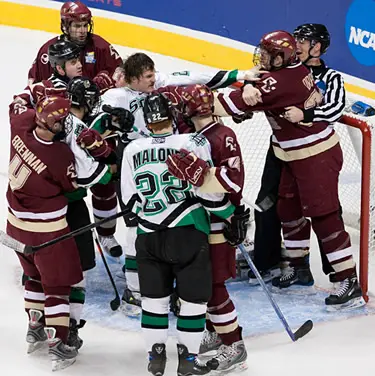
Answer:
(235, 231)
(187, 166)
(104, 81)
(92, 141)
(43, 89)
(240, 118)
(121, 120)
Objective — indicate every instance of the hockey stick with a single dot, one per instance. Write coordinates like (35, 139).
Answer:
(16, 245)
(300, 332)
(115, 303)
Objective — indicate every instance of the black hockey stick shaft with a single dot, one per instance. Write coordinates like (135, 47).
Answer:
(304, 329)
(29, 249)
(115, 303)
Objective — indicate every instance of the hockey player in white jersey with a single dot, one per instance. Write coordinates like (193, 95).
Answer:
(172, 240)
(137, 77)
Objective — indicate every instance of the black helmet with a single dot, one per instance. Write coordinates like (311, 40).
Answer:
(61, 52)
(83, 92)
(314, 33)
(157, 108)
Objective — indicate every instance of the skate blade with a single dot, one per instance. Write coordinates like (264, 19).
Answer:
(32, 347)
(59, 364)
(130, 310)
(236, 368)
(351, 304)
(294, 290)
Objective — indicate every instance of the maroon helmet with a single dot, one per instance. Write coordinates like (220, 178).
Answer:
(198, 100)
(74, 11)
(50, 110)
(277, 43)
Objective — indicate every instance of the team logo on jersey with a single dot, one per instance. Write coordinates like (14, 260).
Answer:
(230, 143)
(269, 84)
(44, 59)
(71, 171)
(158, 140)
(113, 52)
(90, 58)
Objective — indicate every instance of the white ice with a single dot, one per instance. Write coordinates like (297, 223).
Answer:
(332, 348)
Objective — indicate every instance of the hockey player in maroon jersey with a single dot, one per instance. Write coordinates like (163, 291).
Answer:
(222, 330)
(99, 59)
(312, 160)
(63, 59)
(36, 214)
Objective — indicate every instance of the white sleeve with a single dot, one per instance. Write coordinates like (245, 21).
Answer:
(129, 193)
(89, 171)
(214, 79)
(110, 98)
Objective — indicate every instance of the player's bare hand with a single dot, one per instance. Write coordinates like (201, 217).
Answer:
(251, 95)
(253, 74)
(293, 114)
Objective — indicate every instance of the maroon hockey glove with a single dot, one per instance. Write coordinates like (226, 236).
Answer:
(187, 166)
(92, 141)
(104, 81)
(43, 89)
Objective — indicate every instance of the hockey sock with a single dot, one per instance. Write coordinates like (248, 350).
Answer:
(190, 325)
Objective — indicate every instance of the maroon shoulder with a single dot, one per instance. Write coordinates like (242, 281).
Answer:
(99, 42)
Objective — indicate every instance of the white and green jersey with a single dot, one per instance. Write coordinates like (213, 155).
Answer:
(158, 198)
(89, 171)
(132, 100)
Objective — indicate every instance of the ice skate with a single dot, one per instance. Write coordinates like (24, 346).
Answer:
(267, 275)
(35, 337)
(295, 280)
(157, 358)
(189, 364)
(210, 343)
(110, 245)
(347, 296)
(131, 303)
(62, 355)
(74, 340)
(229, 358)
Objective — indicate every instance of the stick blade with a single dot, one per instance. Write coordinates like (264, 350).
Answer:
(115, 303)
(303, 330)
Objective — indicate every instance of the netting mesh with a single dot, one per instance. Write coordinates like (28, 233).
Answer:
(254, 138)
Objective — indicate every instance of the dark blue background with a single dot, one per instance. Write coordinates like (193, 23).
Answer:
(247, 21)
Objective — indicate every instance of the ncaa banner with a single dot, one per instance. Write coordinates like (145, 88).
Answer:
(351, 23)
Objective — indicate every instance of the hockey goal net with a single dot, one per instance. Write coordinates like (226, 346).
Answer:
(356, 184)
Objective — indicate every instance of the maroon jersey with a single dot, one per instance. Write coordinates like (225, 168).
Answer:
(39, 174)
(290, 86)
(97, 55)
(230, 174)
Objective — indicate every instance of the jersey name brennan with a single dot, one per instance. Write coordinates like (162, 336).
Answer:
(30, 158)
